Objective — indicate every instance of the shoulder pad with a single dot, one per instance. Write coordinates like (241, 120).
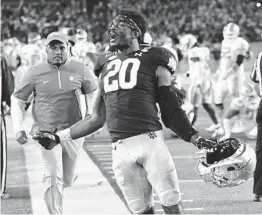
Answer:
(101, 60)
(163, 57)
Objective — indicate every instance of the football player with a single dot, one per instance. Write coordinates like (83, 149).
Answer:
(200, 90)
(231, 69)
(131, 82)
(85, 50)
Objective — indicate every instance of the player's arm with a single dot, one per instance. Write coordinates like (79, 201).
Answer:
(18, 102)
(173, 116)
(239, 60)
(241, 55)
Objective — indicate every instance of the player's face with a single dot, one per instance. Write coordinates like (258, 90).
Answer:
(120, 34)
(57, 53)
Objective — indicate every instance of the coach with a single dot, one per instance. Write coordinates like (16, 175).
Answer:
(56, 86)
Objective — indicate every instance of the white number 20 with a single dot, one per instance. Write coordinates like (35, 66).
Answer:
(121, 67)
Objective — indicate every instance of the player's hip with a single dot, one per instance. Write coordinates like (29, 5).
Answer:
(147, 150)
(140, 146)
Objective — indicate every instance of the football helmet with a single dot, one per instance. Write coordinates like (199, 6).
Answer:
(231, 31)
(187, 42)
(147, 38)
(228, 171)
(81, 34)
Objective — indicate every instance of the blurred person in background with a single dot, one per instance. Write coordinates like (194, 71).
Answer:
(7, 88)
(231, 74)
(200, 91)
(56, 84)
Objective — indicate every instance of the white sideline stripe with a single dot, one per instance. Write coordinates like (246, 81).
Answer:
(34, 165)
(185, 209)
(106, 164)
(193, 209)
(100, 145)
(104, 159)
(107, 167)
(187, 200)
(104, 156)
(183, 157)
(88, 181)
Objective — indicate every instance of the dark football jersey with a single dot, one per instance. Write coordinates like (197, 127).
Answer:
(129, 84)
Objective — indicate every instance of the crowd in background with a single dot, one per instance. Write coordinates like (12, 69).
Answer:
(204, 18)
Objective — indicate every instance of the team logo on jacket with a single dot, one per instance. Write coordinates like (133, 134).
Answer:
(71, 78)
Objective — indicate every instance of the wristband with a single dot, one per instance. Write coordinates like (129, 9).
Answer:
(64, 135)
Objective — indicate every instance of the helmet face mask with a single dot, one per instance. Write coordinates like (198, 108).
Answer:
(186, 43)
(231, 171)
(231, 31)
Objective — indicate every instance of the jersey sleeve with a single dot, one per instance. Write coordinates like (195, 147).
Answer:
(99, 66)
(89, 82)
(25, 86)
(163, 57)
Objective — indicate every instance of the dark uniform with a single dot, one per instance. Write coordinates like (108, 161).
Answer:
(7, 88)
(256, 77)
(130, 94)
(141, 160)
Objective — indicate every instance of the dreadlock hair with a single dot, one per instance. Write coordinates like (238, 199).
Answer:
(138, 18)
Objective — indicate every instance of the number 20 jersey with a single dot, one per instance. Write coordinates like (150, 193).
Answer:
(129, 84)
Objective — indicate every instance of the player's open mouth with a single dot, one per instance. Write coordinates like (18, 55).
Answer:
(113, 36)
(57, 58)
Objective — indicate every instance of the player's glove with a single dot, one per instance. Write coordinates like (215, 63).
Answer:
(47, 139)
(202, 143)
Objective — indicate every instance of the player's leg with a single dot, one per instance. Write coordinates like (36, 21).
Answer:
(162, 174)
(70, 161)
(53, 182)
(194, 97)
(226, 122)
(207, 98)
(221, 90)
(131, 176)
(235, 88)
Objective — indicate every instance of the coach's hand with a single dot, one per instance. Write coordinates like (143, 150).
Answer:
(21, 137)
(47, 139)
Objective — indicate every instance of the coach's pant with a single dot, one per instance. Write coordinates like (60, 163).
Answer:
(59, 172)
(142, 164)
(257, 189)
